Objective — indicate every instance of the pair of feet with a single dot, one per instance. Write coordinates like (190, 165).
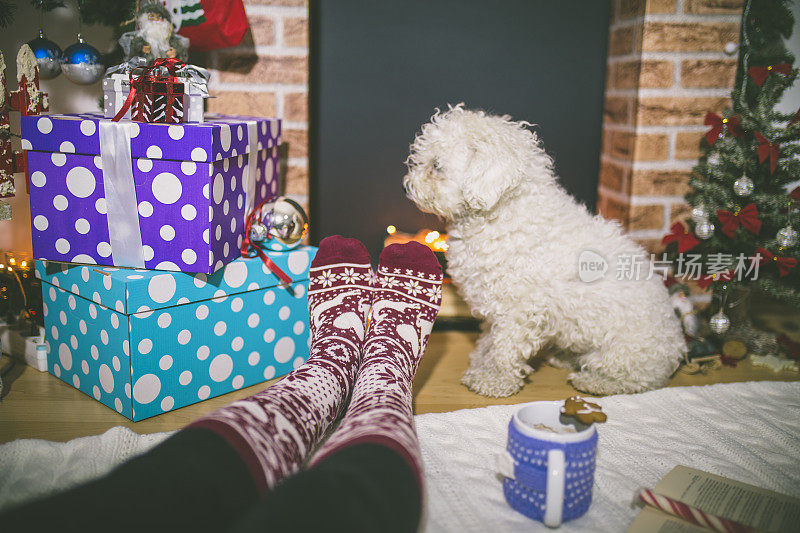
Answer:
(372, 362)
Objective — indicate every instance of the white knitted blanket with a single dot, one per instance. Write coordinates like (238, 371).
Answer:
(746, 431)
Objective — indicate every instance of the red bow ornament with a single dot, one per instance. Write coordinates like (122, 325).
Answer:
(746, 217)
(795, 194)
(718, 124)
(705, 281)
(769, 150)
(686, 241)
(247, 244)
(795, 118)
(759, 74)
(785, 264)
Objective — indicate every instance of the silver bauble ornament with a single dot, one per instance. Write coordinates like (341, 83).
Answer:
(81, 63)
(48, 56)
(786, 237)
(258, 232)
(704, 229)
(285, 222)
(719, 323)
(743, 186)
(699, 213)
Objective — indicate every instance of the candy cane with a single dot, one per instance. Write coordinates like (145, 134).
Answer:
(692, 514)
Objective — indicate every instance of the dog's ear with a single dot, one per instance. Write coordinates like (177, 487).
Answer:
(488, 178)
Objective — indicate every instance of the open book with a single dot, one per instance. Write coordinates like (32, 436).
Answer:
(746, 505)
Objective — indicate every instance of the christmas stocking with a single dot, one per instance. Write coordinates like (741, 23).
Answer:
(274, 430)
(406, 298)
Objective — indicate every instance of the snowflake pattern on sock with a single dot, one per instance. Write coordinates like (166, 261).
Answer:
(276, 429)
(405, 304)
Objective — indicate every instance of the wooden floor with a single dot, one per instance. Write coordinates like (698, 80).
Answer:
(37, 405)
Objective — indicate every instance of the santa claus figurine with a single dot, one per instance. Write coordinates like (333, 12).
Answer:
(155, 35)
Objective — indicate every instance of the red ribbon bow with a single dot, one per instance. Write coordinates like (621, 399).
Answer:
(768, 150)
(746, 216)
(785, 264)
(718, 124)
(255, 216)
(759, 74)
(705, 281)
(686, 241)
(172, 64)
(795, 118)
(795, 194)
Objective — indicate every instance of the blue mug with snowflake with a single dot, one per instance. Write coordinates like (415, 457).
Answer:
(548, 465)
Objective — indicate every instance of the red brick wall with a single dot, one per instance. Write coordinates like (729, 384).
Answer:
(667, 66)
(267, 75)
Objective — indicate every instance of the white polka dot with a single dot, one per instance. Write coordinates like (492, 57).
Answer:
(204, 391)
(67, 147)
(38, 179)
(219, 188)
(104, 336)
(167, 188)
(44, 125)
(164, 320)
(80, 182)
(298, 262)
(205, 191)
(88, 127)
(127, 390)
(237, 344)
(225, 137)
(284, 349)
(148, 252)
(200, 280)
(185, 377)
(198, 154)
(205, 239)
(269, 372)
(253, 358)
(161, 288)
(126, 347)
(218, 232)
(100, 206)
(118, 405)
(62, 246)
(144, 164)
(167, 403)
(253, 320)
(98, 162)
(237, 382)
(203, 352)
(298, 328)
(103, 249)
(116, 363)
(226, 207)
(167, 265)
(153, 152)
(60, 202)
(233, 183)
(235, 274)
(236, 305)
(58, 159)
(188, 212)
(145, 345)
(40, 222)
(96, 392)
(284, 312)
(82, 226)
(114, 321)
(134, 129)
(57, 370)
(146, 388)
(165, 363)
(106, 378)
(184, 336)
(220, 328)
(189, 256)
(233, 225)
(175, 132)
(188, 168)
(84, 258)
(82, 327)
(85, 367)
(297, 362)
(167, 232)
(76, 381)
(269, 335)
(221, 367)
(94, 351)
(65, 356)
(26, 144)
(107, 282)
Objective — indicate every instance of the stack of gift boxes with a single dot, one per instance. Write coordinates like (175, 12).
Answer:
(149, 305)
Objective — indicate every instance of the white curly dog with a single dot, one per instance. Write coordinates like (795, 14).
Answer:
(516, 238)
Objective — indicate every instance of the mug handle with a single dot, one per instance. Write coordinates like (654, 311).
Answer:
(554, 501)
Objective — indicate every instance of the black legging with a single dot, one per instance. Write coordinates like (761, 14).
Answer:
(194, 481)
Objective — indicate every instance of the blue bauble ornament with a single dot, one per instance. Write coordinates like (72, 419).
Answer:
(81, 63)
(48, 56)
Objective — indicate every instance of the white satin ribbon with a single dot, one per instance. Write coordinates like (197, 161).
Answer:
(122, 211)
(252, 167)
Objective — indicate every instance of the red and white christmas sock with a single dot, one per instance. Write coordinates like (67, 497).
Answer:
(275, 429)
(407, 292)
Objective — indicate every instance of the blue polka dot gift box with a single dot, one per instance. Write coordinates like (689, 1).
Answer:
(155, 196)
(144, 342)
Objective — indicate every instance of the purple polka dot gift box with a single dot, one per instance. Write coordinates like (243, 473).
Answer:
(144, 342)
(155, 196)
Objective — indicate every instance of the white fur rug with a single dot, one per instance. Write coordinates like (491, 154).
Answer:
(746, 431)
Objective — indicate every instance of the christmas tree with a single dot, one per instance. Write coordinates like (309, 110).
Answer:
(743, 229)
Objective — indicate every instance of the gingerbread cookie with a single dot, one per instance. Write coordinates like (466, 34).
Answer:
(583, 411)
